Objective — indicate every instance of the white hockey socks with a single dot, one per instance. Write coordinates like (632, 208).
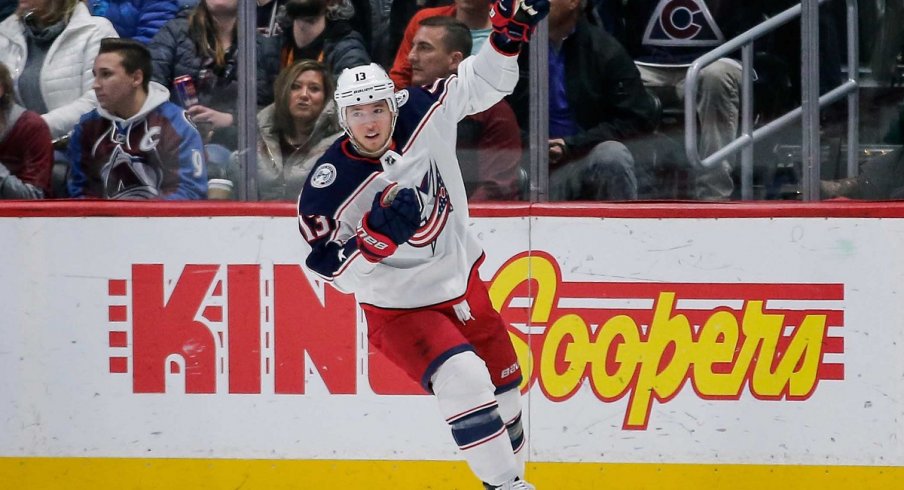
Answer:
(465, 393)
(510, 411)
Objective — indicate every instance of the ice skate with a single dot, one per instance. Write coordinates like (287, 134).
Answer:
(516, 484)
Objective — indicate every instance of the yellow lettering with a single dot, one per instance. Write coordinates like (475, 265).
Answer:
(538, 268)
(716, 344)
(658, 374)
(805, 348)
(621, 329)
(621, 360)
(542, 270)
(578, 352)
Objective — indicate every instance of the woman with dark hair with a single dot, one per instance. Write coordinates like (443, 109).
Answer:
(200, 49)
(294, 131)
(50, 46)
(26, 154)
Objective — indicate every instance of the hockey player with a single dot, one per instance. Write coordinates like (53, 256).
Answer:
(386, 216)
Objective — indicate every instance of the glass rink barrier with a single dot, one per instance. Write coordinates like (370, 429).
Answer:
(673, 104)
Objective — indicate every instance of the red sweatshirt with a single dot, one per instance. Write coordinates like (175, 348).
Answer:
(27, 152)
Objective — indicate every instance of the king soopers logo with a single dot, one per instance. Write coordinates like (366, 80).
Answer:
(227, 328)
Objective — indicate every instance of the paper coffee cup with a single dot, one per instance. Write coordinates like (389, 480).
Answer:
(219, 189)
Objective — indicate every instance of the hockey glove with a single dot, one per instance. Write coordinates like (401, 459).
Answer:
(514, 21)
(389, 223)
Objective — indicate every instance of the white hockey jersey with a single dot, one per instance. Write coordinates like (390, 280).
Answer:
(434, 266)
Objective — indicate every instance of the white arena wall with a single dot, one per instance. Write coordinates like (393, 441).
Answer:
(666, 346)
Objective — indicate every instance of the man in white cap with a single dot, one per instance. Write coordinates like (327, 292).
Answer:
(386, 216)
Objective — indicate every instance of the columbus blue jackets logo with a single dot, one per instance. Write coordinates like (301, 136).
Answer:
(432, 184)
(685, 23)
(323, 176)
(401, 97)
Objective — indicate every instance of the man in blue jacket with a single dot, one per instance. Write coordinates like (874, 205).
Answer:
(136, 144)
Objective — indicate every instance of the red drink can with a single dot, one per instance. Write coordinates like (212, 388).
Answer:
(185, 91)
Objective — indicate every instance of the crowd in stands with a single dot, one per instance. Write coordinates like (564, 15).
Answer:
(136, 99)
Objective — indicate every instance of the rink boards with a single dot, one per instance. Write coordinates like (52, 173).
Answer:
(665, 347)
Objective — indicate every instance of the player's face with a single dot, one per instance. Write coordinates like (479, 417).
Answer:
(115, 89)
(429, 58)
(307, 97)
(370, 125)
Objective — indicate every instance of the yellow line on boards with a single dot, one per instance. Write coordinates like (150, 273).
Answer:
(198, 474)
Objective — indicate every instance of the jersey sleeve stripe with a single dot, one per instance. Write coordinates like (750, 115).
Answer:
(354, 195)
(436, 105)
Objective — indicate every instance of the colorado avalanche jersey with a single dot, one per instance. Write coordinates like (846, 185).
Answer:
(155, 154)
(433, 267)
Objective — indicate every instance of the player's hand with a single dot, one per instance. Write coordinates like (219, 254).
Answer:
(515, 20)
(389, 223)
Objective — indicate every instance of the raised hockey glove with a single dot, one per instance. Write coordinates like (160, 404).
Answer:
(391, 221)
(514, 21)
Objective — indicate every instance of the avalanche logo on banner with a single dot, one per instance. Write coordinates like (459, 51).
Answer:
(685, 23)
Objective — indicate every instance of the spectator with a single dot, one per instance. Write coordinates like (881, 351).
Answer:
(473, 13)
(202, 45)
(51, 45)
(135, 19)
(391, 17)
(597, 105)
(136, 144)
(665, 37)
(489, 142)
(295, 130)
(315, 34)
(26, 154)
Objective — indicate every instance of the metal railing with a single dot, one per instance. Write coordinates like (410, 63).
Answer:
(811, 101)
(246, 105)
(538, 125)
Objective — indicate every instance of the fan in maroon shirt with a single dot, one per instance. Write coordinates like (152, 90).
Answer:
(26, 152)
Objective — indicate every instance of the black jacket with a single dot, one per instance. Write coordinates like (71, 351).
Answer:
(339, 46)
(604, 90)
(173, 53)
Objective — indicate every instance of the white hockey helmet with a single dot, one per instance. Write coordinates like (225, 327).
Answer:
(364, 84)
